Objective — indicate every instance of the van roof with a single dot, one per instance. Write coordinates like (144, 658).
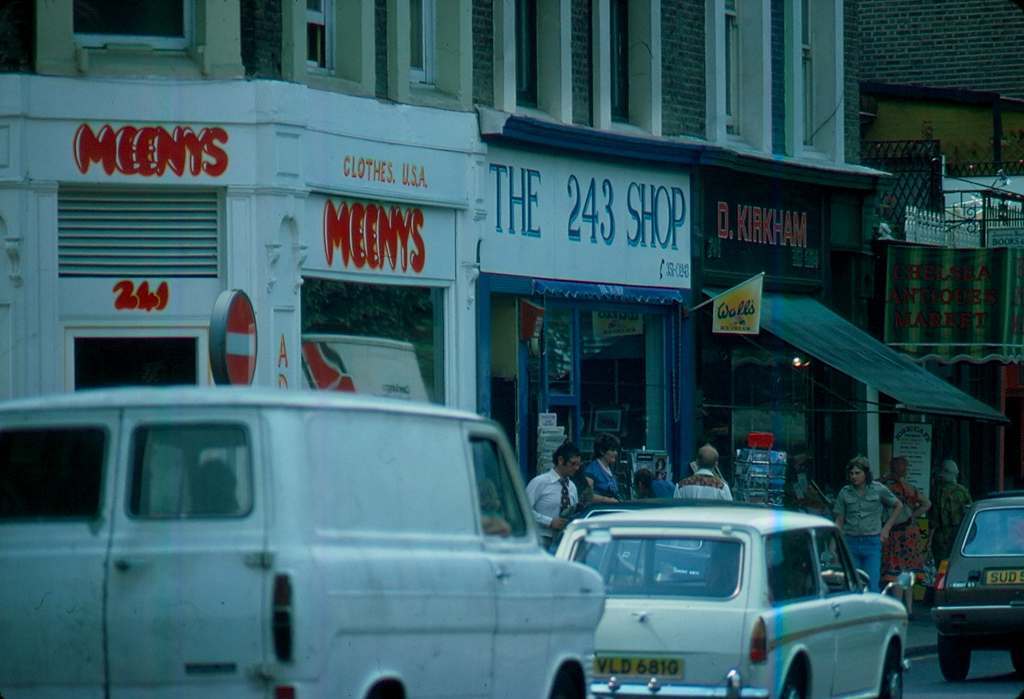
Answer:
(764, 520)
(182, 396)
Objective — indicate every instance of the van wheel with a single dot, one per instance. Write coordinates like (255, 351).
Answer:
(892, 676)
(1017, 657)
(794, 687)
(954, 659)
(564, 687)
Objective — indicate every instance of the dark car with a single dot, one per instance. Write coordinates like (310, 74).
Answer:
(979, 593)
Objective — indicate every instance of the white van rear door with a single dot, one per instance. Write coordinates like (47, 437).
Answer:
(188, 599)
(56, 482)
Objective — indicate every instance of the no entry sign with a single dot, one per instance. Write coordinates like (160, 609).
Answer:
(233, 339)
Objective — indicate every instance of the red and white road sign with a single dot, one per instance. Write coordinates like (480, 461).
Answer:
(233, 339)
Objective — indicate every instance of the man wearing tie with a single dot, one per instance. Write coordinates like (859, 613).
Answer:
(553, 495)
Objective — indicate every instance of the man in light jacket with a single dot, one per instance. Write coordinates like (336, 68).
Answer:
(706, 483)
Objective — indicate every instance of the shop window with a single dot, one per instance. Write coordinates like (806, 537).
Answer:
(101, 362)
(558, 350)
(190, 471)
(526, 52)
(372, 338)
(158, 23)
(53, 473)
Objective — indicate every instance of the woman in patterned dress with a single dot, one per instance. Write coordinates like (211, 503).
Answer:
(905, 549)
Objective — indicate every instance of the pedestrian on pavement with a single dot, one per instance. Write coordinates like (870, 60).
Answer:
(553, 495)
(706, 482)
(860, 515)
(661, 485)
(599, 471)
(646, 485)
(951, 502)
(905, 550)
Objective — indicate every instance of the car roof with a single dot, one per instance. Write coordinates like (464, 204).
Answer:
(1015, 496)
(759, 518)
(246, 396)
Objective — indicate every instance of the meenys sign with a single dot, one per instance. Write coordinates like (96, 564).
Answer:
(592, 221)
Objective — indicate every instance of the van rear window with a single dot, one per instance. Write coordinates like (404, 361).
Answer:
(183, 471)
(673, 567)
(996, 532)
(51, 473)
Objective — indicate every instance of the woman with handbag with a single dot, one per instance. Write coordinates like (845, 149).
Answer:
(905, 548)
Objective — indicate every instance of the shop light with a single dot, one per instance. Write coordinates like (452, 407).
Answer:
(801, 362)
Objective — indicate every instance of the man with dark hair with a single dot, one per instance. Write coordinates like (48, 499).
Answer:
(553, 495)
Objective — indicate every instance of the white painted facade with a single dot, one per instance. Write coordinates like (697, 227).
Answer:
(283, 151)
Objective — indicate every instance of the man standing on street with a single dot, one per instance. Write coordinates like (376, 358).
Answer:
(706, 483)
(553, 495)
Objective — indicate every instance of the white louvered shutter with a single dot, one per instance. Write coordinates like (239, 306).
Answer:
(112, 232)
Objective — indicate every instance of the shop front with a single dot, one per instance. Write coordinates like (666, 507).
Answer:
(811, 379)
(584, 269)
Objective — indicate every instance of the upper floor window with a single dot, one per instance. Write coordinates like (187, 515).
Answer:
(163, 24)
(421, 41)
(319, 27)
(526, 52)
(807, 68)
(619, 39)
(732, 67)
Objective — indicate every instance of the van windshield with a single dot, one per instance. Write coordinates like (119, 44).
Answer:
(669, 567)
(996, 532)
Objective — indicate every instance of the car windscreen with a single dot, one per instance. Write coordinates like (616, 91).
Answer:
(996, 532)
(665, 567)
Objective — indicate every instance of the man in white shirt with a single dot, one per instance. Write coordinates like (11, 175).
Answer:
(706, 483)
(553, 495)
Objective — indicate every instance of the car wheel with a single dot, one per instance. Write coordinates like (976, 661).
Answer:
(892, 676)
(954, 659)
(1017, 656)
(564, 687)
(794, 687)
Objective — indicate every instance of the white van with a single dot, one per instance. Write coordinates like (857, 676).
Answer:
(249, 543)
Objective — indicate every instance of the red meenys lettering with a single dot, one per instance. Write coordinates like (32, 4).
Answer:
(375, 237)
(336, 233)
(150, 150)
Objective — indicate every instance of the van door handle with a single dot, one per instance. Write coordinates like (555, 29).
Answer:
(502, 573)
(126, 564)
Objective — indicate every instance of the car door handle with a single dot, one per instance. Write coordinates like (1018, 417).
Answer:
(126, 564)
(836, 609)
(502, 573)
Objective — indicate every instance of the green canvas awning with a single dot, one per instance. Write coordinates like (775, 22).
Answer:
(809, 325)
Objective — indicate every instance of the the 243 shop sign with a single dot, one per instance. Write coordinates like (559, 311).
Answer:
(589, 221)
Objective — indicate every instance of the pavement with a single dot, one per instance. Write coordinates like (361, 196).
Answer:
(921, 636)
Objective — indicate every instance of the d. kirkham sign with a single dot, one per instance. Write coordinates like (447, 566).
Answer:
(586, 221)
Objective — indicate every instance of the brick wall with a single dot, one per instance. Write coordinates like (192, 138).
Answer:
(380, 26)
(483, 52)
(969, 44)
(852, 71)
(261, 38)
(16, 20)
(582, 62)
(682, 68)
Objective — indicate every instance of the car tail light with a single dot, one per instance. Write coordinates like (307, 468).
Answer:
(759, 642)
(281, 623)
(940, 576)
(284, 691)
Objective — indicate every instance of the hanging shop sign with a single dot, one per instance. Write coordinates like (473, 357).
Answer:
(233, 339)
(755, 224)
(953, 304)
(569, 219)
(380, 238)
(737, 311)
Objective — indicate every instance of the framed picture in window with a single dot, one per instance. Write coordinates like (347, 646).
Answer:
(608, 421)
